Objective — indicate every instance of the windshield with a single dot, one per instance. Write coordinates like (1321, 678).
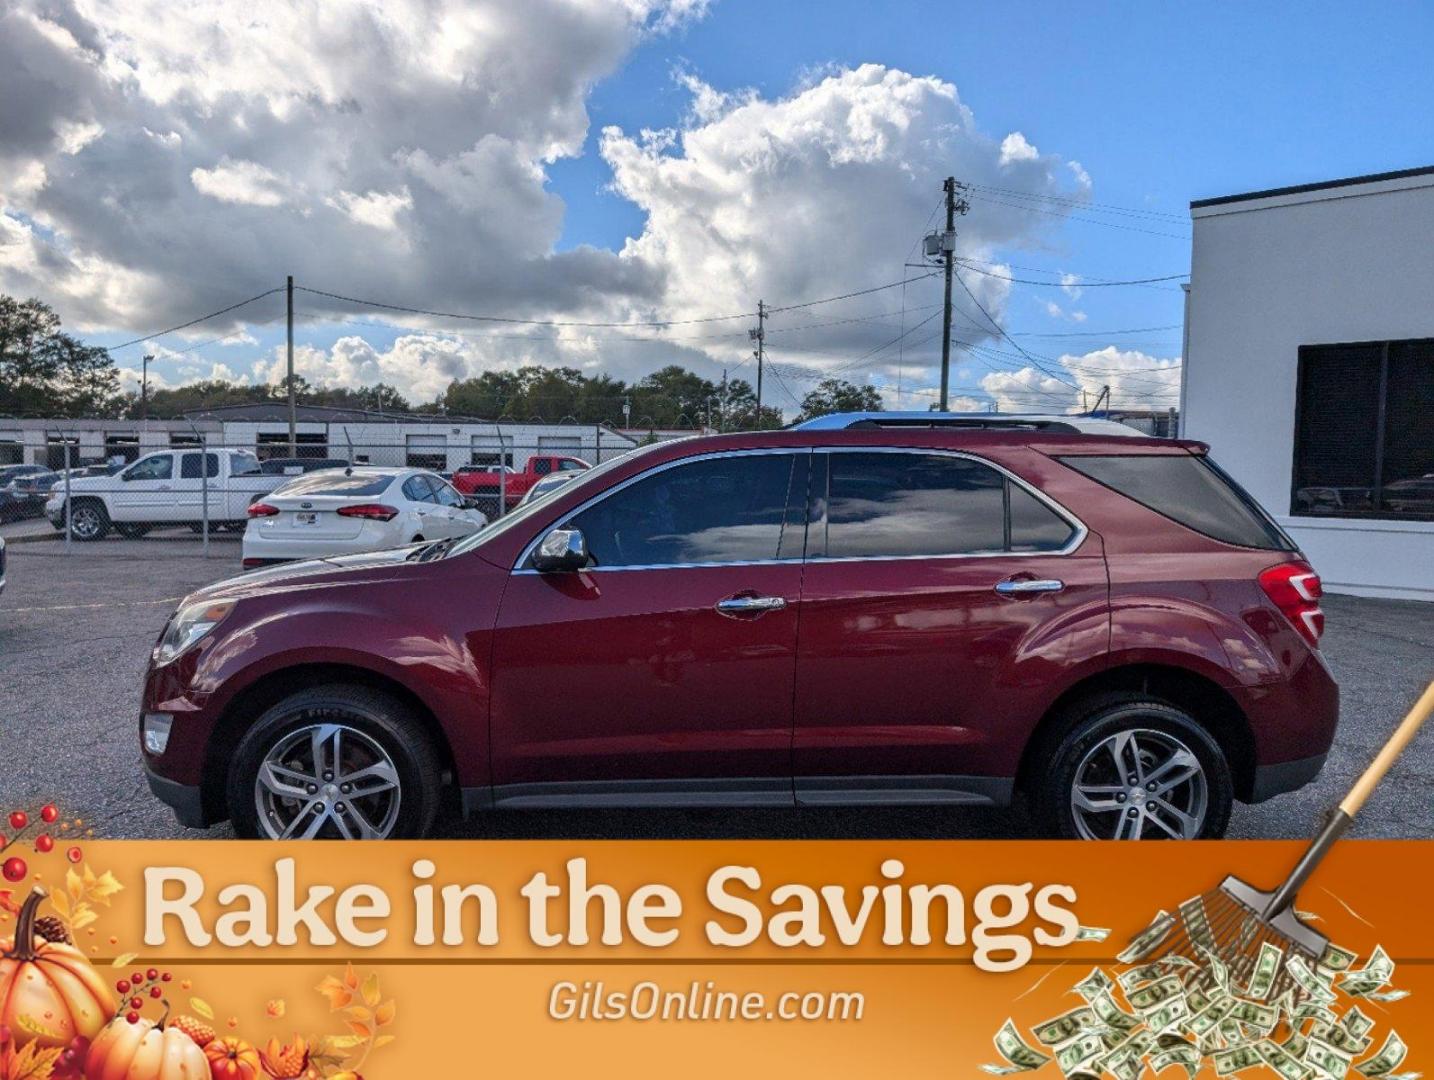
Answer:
(590, 482)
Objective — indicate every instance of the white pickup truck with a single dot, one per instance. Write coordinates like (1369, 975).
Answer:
(162, 490)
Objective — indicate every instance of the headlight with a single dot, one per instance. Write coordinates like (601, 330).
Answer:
(188, 625)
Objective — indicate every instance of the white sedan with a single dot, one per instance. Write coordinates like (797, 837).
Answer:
(347, 511)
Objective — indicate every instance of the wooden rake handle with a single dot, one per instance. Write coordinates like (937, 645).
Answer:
(1358, 795)
(1408, 728)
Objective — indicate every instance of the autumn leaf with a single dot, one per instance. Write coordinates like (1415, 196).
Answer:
(363, 1031)
(359, 1013)
(371, 993)
(31, 1062)
(202, 1007)
(74, 885)
(384, 1014)
(337, 993)
(343, 1042)
(61, 903)
(123, 960)
(383, 1040)
(276, 1008)
(351, 979)
(7, 902)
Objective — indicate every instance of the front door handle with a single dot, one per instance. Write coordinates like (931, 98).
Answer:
(1022, 586)
(750, 605)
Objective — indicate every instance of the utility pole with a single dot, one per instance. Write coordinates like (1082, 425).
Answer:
(293, 409)
(945, 244)
(759, 350)
(144, 387)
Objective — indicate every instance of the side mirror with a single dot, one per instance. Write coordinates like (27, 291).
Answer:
(560, 550)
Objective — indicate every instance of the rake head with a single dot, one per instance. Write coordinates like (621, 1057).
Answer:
(1231, 925)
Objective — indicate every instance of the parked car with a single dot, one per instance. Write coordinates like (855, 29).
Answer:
(294, 466)
(343, 511)
(12, 508)
(11, 472)
(24, 496)
(547, 485)
(487, 483)
(1107, 627)
(164, 489)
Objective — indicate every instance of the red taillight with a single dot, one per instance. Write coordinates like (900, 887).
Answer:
(262, 510)
(372, 511)
(1295, 590)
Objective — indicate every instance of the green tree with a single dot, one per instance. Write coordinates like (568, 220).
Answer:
(838, 395)
(47, 372)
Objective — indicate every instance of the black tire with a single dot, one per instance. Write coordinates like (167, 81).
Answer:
(371, 714)
(1083, 731)
(132, 532)
(89, 520)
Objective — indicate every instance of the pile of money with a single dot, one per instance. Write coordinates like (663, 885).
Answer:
(1195, 1011)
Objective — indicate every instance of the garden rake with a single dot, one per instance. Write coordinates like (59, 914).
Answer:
(1231, 923)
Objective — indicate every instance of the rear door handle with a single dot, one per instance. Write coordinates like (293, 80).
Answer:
(1021, 586)
(750, 605)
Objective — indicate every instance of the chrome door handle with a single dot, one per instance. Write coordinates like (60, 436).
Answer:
(750, 605)
(1029, 585)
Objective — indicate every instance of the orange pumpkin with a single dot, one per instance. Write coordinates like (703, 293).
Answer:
(49, 993)
(144, 1051)
(231, 1058)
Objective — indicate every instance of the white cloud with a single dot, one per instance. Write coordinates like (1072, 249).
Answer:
(1070, 285)
(1135, 379)
(377, 209)
(1015, 148)
(245, 182)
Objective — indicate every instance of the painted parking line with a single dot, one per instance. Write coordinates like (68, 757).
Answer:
(92, 607)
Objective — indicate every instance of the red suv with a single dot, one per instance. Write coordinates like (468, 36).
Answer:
(1107, 626)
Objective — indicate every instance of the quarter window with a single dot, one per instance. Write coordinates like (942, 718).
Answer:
(884, 505)
(715, 510)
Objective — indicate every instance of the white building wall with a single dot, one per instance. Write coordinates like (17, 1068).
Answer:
(1341, 264)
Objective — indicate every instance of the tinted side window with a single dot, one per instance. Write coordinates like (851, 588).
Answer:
(416, 488)
(542, 466)
(189, 466)
(159, 467)
(913, 504)
(1187, 488)
(725, 509)
(444, 493)
(1034, 525)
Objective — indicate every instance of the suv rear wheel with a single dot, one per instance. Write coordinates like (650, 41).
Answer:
(1132, 767)
(335, 762)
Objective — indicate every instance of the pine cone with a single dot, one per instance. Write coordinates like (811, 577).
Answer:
(52, 929)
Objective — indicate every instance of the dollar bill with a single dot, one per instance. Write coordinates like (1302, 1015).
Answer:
(1236, 1059)
(1336, 959)
(1149, 939)
(1374, 975)
(1257, 1015)
(1112, 1015)
(1020, 1056)
(1079, 1052)
(1067, 1026)
(1282, 1061)
(1267, 966)
(1092, 933)
(1341, 1037)
(1327, 1059)
(1391, 1055)
(1094, 985)
(1151, 996)
(1308, 981)
(1168, 1015)
(1296, 1043)
(1387, 995)
(1219, 973)
(1186, 1056)
(1197, 997)
(1144, 973)
(1208, 1019)
(1355, 1022)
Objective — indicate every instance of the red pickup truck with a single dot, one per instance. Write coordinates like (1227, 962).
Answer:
(484, 482)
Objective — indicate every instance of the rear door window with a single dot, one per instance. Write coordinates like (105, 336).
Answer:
(319, 483)
(909, 505)
(1189, 489)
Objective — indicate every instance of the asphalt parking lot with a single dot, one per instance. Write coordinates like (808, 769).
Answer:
(75, 631)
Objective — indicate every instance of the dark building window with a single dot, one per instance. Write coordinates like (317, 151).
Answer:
(1364, 431)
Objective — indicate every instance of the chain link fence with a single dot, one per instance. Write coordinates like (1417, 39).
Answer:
(417, 483)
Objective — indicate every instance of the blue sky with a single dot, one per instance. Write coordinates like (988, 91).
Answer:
(1159, 103)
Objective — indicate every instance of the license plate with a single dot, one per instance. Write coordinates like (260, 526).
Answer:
(306, 519)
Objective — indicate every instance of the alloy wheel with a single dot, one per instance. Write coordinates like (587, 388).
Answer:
(85, 522)
(327, 780)
(1140, 784)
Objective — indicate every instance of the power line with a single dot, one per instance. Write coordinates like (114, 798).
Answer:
(848, 296)
(1096, 333)
(1070, 200)
(195, 322)
(1073, 284)
(1075, 217)
(1001, 330)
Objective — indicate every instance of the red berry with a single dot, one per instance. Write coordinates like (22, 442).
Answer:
(165, 977)
(44, 843)
(155, 992)
(137, 978)
(152, 974)
(132, 1017)
(122, 986)
(15, 869)
(19, 819)
(49, 813)
(136, 1003)
(74, 854)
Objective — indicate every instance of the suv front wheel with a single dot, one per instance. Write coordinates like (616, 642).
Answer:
(1134, 768)
(335, 762)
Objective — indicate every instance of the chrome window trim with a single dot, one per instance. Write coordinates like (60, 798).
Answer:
(1078, 537)
(519, 568)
